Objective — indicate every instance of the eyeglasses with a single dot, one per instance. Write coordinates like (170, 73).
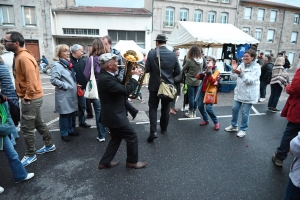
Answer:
(5, 41)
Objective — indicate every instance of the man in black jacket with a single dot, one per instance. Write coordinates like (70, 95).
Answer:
(170, 68)
(265, 77)
(78, 65)
(113, 96)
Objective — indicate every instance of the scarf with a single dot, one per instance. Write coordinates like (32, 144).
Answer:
(3, 114)
(66, 62)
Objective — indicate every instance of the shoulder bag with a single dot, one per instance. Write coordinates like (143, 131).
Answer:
(91, 91)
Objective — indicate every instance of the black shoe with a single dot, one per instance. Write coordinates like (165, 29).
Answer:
(164, 132)
(73, 125)
(66, 138)
(152, 137)
(135, 114)
(89, 116)
(74, 134)
(85, 125)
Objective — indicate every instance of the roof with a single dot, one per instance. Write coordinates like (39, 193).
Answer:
(271, 3)
(105, 10)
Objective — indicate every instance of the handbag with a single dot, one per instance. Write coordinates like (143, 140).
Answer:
(91, 91)
(166, 92)
(80, 92)
(209, 97)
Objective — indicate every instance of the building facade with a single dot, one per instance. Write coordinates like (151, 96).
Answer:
(32, 19)
(275, 25)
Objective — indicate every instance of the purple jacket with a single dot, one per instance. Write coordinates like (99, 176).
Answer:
(87, 69)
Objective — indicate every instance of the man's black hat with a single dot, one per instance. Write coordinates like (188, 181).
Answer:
(161, 37)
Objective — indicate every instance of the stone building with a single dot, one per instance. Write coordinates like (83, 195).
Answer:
(275, 25)
(32, 19)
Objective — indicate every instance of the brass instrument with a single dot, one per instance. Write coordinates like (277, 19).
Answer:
(131, 59)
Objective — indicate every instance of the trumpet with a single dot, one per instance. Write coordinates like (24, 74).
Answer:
(131, 59)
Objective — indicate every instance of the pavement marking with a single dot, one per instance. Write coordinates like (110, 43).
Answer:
(48, 94)
(254, 110)
(45, 83)
(146, 122)
(52, 121)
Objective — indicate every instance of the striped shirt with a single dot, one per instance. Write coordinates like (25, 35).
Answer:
(7, 87)
(280, 76)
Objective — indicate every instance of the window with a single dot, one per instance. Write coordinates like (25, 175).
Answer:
(198, 16)
(270, 37)
(260, 14)
(78, 31)
(294, 37)
(7, 15)
(273, 16)
(247, 13)
(296, 19)
(224, 18)
(184, 13)
(29, 18)
(137, 36)
(246, 30)
(258, 34)
(169, 16)
(291, 57)
(225, 1)
(268, 52)
(211, 17)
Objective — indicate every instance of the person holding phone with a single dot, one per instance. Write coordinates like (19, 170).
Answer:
(246, 92)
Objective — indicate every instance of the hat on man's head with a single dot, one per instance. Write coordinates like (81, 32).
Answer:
(161, 37)
(104, 58)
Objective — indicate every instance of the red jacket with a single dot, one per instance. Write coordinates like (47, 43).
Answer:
(291, 109)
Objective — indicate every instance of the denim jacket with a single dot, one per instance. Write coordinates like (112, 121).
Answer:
(295, 167)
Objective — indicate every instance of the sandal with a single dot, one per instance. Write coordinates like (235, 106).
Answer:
(176, 110)
(172, 111)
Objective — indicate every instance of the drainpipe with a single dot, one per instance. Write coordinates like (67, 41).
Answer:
(281, 32)
(55, 32)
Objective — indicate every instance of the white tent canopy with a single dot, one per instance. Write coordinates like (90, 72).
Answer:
(186, 34)
(127, 45)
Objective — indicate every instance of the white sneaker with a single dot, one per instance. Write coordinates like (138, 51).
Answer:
(1, 189)
(100, 139)
(189, 114)
(241, 133)
(194, 114)
(29, 176)
(262, 100)
(231, 128)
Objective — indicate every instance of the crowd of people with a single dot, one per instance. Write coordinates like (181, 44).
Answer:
(71, 72)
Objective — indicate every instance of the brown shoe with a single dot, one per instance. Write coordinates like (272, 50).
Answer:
(111, 165)
(137, 165)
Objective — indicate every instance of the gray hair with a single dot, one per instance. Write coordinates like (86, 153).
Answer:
(75, 47)
(213, 58)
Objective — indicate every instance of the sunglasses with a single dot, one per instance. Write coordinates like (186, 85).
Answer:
(5, 41)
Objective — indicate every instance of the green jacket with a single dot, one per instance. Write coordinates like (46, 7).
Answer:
(7, 128)
(194, 67)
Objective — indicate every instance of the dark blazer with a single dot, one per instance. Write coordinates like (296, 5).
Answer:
(113, 96)
(170, 67)
(78, 66)
(266, 72)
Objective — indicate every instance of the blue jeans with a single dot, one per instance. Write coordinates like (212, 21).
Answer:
(276, 90)
(206, 109)
(263, 87)
(97, 109)
(19, 172)
(245, 114)
(192, 94)
(290, 132)
(292, 192)
(65, 124)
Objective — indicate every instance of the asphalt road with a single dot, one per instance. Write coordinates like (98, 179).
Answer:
(189, 162)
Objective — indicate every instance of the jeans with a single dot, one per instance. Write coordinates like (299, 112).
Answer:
(164, 117)
(245, 114)
(276, 90)
(192, 94)
(292, 192)
(31, 120)
(65, 124)
(206, 110)
(97, 109)
(263, 87)
(290, 132)
(15, 164)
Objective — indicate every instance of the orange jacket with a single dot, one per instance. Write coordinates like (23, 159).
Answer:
(28, 81)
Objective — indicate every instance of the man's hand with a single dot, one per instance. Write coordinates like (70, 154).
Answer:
(3, 98)
(137, 71)
(237, 71)
(26, 101)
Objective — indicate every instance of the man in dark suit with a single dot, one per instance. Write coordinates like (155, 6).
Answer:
(170, 68)
(113, 113)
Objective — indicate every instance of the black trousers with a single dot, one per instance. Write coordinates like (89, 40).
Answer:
(89, 109)
(117, 134)
(164, 117)
(132, 110)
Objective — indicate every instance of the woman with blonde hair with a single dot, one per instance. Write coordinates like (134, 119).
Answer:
(98, 48)
(64, 80)
(279, 81)
(193, 66)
